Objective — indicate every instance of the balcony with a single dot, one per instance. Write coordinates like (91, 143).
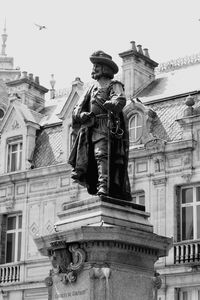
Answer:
(10, 273)
(187, 252)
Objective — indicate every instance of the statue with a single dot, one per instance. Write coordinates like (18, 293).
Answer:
(99, 156)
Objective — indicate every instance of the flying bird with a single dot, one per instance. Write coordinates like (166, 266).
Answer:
(40, 27)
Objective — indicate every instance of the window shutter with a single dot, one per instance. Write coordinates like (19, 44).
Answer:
(3, 221)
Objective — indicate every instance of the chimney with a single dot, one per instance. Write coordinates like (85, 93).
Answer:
(30, 76)
(138, 69)
(24, 74)
(30, 92)
(77, 83)
(37, 79)
(140, 49)
(52, 90)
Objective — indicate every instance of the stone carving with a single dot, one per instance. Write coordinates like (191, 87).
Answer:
(78, 257)
(160, 181)
(157, 283)
(67, 261)
(48, 280)
(187, 177)
(10, 201)
(103, 272)
(159, 164)
(155, 145)
(15, 125)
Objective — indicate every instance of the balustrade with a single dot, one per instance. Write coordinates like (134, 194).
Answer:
(9, 273)
(187, 252)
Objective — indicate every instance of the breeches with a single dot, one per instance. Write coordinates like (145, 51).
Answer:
(101, 150)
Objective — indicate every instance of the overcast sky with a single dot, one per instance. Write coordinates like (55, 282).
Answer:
(76, 28)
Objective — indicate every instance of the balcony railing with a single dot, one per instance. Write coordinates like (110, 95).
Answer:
(187, 252)
(10, 273)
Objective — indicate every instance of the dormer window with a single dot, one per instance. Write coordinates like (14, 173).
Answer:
(14, 158)
(135, 128)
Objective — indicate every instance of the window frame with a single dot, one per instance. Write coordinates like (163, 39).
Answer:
(9, 154)
(137, 196)
(17, 231)
(194, 204)
(135, 116)
(190, 293)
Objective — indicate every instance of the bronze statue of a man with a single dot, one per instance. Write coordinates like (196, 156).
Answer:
(99, 156)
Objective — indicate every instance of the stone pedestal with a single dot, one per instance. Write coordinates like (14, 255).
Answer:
(104, 249)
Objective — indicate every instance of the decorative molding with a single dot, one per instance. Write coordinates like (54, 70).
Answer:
(15, 125)
(10, 203)
(67, 261)
(178, 63)
(4, 294)
(34, 229)
(160, 181)
(155, 145)
(99, 273)
(187, 177)
(159, 163)
(49, 227)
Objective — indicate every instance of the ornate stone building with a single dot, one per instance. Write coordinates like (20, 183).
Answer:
(163, 114)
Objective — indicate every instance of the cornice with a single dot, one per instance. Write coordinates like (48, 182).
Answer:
(35, 173)
(170, 147)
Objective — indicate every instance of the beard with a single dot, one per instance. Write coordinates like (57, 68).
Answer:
(96, 76)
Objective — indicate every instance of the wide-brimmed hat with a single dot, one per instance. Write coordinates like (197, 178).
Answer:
(100, 57)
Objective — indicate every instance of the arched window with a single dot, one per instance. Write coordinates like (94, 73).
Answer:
(135, 128)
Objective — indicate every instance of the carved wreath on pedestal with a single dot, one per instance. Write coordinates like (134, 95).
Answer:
(67, 261)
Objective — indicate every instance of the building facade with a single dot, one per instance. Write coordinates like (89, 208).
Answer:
(163, 115)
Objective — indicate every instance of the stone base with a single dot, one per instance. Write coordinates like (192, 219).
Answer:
(102, 251)
(103, 211)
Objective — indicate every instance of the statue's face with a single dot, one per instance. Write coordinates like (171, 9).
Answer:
(97, 71)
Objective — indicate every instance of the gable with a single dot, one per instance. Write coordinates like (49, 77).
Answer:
(13, 122)
(69, 104)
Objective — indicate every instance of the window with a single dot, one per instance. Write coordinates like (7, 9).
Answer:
(14, 159)
(135, 128)
(190, 213)
(139, 198)
(13, 238)
(190, 293)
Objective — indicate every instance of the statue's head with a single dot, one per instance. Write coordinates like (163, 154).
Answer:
(103, 65)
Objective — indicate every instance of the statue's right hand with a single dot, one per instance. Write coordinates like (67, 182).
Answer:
(85, 116)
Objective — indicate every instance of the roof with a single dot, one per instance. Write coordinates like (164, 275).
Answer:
(166, 126)
(174, 82)
(48, 147)
(52, 108)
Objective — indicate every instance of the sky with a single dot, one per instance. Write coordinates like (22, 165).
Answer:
(76, 28)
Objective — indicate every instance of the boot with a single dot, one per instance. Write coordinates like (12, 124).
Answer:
(102, 177)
